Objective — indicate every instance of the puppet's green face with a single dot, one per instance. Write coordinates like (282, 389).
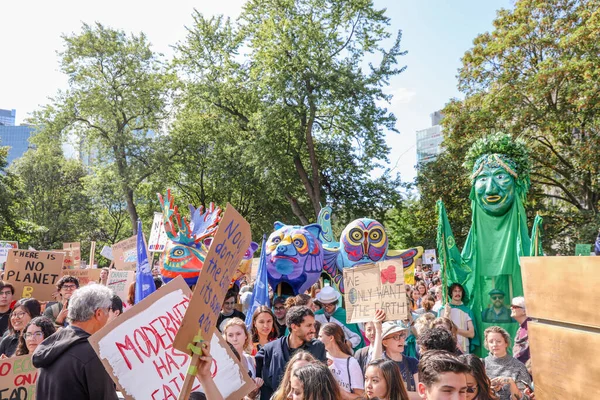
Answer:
(494, 189)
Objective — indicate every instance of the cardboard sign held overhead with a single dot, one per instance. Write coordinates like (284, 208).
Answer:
(583, 249)
(106, 252)
(226, 251)
(158, 236)
(119, 282)
(125, 254)
(373, 287)
(5, 246)
(137, 350)
(34, 273)
(429, 257)
(85, 275)
(75, 247)
(18, 377)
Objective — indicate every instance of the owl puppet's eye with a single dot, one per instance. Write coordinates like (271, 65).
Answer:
(356, 234)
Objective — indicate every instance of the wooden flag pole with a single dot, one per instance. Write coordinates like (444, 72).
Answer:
(92, 254)
(186, 388)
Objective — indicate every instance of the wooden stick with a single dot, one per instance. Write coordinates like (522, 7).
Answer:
(186, 388)
(92, 254)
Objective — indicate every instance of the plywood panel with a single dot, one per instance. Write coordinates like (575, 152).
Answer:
(563, 289)
(565, 362)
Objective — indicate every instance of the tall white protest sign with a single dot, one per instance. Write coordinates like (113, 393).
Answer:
(5, 246)
(158, 236)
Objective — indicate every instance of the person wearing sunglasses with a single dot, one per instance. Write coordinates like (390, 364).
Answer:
(22, 313)
(497, 313)
(57, 312)
(34, 333)
(519, 313)
(479, 386)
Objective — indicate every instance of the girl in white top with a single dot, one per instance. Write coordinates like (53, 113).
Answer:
(236, 334)
(344, 367)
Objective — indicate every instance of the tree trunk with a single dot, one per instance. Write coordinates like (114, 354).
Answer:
(315, 196)
(296, 209)
(131, 210)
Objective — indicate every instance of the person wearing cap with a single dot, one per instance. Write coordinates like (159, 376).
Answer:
(393, 339)
(497, 312)
(329, 298)
(519, 313)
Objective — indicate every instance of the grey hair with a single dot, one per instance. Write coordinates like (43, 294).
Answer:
(86, 300)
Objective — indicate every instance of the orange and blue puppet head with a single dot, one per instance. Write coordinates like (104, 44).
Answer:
(186, 250)
(294, 256)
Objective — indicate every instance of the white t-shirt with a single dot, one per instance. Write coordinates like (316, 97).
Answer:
(343, 370)
(461, 318)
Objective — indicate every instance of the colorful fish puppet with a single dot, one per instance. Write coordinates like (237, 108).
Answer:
(294, 256)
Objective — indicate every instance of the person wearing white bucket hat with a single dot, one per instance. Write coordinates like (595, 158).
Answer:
(393, 340)
(329, 298)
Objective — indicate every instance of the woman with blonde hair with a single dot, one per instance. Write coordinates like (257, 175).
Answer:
(314, 382)
(300, 359)
(236, 334)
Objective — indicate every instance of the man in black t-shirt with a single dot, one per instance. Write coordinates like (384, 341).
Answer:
(280, 312)
(7, 292)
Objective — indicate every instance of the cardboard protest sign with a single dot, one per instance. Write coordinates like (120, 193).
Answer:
(224, 255)
(137, 350)
(119, 282)
(125, 254)
(158, 236)
(85, 275)
(5, 246)
(75, 247)
(372, 287)
(18, 377)
(68, 260)
(106, 252)
(33, 273)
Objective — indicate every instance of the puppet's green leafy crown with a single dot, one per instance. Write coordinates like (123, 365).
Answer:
(513, 151)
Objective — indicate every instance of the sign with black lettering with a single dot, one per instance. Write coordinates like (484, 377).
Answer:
(34, 273)
(373, 287)
(224, 256)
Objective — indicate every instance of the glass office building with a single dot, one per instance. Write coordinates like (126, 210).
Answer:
(429, 140)
(16, 138)
(7, 117)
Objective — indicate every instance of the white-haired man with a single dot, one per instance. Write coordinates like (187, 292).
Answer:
(68, 366)
(519, 313)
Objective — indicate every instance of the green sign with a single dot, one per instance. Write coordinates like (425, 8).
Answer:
(583, 249)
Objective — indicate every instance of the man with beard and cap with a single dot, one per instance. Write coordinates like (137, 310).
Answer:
(497, 312)
(328, 297)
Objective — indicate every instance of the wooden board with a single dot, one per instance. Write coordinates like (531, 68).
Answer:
(563, 289)
(565, 362)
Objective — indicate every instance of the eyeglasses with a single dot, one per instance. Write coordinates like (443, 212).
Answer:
(18, 315)
(513, 306)
(34, 335)
(279, 308)
(497, 297)
(69, 287)
(397, 337)
(472, 389)
(6, 293)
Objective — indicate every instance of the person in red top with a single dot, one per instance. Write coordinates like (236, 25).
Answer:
(519, 313)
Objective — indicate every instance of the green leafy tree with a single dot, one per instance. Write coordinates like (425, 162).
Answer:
(536, 75)
(290, 79)
(117, 103)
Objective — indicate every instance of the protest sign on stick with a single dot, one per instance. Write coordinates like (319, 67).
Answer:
(92, 254)
(5, 246)
(125, 254)
(34, 273)
(18, 377)
(84, 275)
(137, 350)
(119, 282)
(158, 236)
(224, 255)
(75, 247)
(106, 252)
(373, 287)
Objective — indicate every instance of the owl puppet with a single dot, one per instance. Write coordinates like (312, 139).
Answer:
(294, 257)
(363, 241)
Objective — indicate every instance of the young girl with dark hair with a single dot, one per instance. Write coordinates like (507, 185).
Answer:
(314, 382)
(479, 386)
(23, 312)
(344, 367)
(263, 329)
(34, 333)
(383, 381)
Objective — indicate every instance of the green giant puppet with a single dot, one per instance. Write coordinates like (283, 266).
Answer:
(488, 267)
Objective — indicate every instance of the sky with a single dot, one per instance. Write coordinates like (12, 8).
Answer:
(436, 34)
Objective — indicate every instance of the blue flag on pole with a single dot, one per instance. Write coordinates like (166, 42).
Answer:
(260, 296)
(144, 282)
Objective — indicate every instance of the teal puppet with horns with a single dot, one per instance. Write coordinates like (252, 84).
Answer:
(488, 267)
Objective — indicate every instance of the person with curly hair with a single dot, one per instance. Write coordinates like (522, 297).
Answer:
(23, 312)
(34, 333)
